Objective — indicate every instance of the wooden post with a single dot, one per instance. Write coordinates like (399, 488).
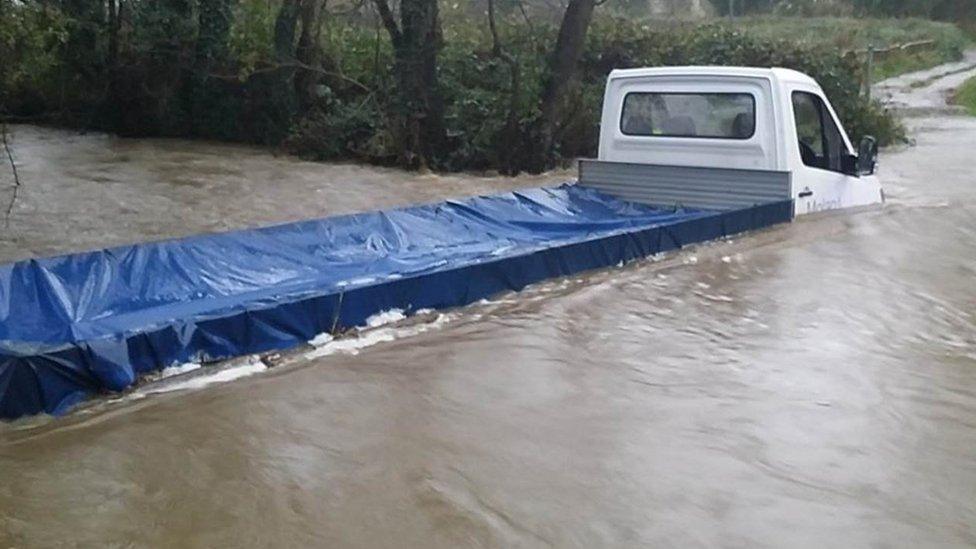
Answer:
(869, 77)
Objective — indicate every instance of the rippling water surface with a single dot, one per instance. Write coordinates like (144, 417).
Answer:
(809, 385)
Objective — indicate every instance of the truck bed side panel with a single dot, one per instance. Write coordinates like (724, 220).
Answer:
(706, 188)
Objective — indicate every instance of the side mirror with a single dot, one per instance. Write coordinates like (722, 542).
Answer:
(867, 156)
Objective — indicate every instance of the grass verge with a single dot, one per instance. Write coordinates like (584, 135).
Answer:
(850, 34)
(965, 96)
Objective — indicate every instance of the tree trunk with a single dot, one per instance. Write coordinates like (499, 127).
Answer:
(309, 52)
(114, 7)
(417, 41)
(210, 53)
(562, 75)
(172, 82)
(284, 33)
(511, 138)
(276, 89)
(113, 93)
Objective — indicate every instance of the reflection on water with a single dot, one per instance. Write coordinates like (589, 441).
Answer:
(814, 384)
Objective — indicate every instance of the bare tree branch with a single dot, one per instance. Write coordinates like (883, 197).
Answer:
(293, 65)
(528, 20)
(354, 9)
(13, 167)
(386, 15)
(496, 46)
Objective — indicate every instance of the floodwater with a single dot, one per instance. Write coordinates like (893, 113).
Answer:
(809, 385)
(86, 191)
(926, 92)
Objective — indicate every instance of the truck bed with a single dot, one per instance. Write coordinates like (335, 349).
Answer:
(81, 324)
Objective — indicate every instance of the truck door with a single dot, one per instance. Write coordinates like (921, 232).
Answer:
(819, 181)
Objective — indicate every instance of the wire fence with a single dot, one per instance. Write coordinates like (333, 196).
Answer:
(871, 55)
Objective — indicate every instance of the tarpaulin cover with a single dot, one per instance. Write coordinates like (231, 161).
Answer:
(90, 322)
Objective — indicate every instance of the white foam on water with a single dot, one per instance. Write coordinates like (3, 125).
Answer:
(179, 369)
(321, 339)
(385, 317)
(325, 344)
(368, 338)
(378, 330)
(223, 375)
(352, 345)
(715, 297)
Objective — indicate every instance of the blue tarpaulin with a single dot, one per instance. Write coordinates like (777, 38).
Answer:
(85, 323)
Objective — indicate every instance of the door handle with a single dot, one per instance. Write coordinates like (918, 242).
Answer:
(805, 193)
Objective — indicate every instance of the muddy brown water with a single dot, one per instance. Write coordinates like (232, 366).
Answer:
(809, 385)
(87, 191)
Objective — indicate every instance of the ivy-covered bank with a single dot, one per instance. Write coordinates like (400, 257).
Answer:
(336, 85)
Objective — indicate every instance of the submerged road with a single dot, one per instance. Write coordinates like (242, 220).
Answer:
(811, 385)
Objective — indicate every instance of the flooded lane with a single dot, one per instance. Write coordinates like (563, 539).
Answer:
(89, 191)
(810, 385)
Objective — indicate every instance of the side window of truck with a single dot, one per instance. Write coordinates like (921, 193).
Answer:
(819, 138)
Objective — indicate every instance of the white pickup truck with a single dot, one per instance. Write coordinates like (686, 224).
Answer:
(714, 152)
(724, 137)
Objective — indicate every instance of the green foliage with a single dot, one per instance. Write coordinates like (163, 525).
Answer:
(336, 129)
(162, 84)
(965, 96)
(849, 33)
(615, 44)
(806, 8)
(813, 8)
(476, 86)
(946, 10)
(856, 35)
(33, 35)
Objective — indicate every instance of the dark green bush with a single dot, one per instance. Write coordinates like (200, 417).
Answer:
(336, 129)
(157, 88)
(476, 87)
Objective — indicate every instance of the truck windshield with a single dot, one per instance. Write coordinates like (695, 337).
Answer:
(707, 115)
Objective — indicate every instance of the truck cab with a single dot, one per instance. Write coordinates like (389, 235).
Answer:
(745, 123)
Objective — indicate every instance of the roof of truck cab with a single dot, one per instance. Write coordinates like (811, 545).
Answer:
(776, 74)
